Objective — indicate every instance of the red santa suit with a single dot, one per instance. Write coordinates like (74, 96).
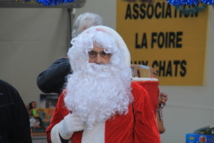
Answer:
(137, 126)
(151, 86)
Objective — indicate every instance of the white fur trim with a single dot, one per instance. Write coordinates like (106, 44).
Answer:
(94, 135)
(144, 79)
(55, 134)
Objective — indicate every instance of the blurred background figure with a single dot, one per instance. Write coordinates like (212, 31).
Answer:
(14, 117)
(53, 79)
(35, 117)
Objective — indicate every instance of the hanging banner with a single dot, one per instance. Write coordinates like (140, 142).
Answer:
(159, 36)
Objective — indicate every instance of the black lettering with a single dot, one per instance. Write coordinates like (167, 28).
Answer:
(157, 10)
(176, 63)
(175, 13)
(143, 12)
(145, 63)
(186, 14)
(157, 14)
(168, 11)
(169, 69)
(128, 12)
(162, 68)
(161, 40)
(135, 9)
(137, 46)
(184, 70)
(179, 39)
(140, 62)
(163, 10)
(167, 40)
(171, 39)
(150, 11)
(196, 13)
(153, 39)
(155, 64)
(180, 14)
(144, 41)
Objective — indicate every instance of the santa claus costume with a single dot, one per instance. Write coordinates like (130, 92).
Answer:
(101, 104)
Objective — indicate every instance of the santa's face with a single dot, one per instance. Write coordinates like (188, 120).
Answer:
(99, 56)
(100, 89)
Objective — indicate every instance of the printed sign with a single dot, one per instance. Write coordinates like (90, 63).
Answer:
(160, 36)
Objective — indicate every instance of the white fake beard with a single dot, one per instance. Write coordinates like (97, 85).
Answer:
(98, 92)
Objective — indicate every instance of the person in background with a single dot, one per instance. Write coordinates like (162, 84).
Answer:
(33, 112)
(32, 109)
(52, 80)
(163, 97)
(100, 103)
(14, 117)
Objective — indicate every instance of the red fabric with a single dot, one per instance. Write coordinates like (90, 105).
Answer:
(146, 130)
(119, 129)
(153, 91)
(140, 128)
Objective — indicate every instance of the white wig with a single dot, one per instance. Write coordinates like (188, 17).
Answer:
(82, 44)
(84, 21)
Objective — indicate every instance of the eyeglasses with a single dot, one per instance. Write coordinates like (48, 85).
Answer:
(93, 54)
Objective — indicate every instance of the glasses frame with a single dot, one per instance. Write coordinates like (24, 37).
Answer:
(93, 54)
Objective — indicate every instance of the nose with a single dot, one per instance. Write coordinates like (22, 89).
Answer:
(98, 59)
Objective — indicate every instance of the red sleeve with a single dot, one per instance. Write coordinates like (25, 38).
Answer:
(145, 129)
(59, 113)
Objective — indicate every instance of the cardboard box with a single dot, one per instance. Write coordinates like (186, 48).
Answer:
(199, 138)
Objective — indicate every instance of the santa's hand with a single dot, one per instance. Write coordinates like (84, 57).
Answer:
(70, 124)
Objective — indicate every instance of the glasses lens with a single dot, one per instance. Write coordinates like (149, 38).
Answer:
(92, 54)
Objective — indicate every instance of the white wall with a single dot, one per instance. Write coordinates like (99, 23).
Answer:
(188, 107)
(31, 39)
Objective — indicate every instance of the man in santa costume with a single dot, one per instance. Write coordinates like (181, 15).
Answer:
(100, 103)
